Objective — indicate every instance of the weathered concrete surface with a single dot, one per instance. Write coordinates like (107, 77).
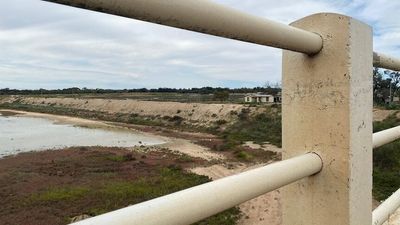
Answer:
(327, 108)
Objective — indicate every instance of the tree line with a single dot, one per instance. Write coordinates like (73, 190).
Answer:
(203, 90)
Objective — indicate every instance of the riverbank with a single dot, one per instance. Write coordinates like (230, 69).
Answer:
(171, 143)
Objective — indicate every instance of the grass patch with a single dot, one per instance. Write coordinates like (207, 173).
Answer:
(386, 170)
(119, 194)
(261, 128)
(245, 156)
(386, 176)
(59, 194)
(264, 127)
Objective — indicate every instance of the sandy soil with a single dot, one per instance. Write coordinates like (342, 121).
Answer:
(265, 209)
(264, 146)
(380, 114)
(194, 112)
(63, 119)
(191, 149)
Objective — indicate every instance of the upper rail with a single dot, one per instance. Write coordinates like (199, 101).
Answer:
(207, 17)
(387, 62)
(210, 18)
(197, 203)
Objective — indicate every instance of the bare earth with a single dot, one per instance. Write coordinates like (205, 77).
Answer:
(380, 114)
(194, 112)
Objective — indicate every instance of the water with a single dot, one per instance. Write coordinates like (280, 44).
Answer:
(23, 134)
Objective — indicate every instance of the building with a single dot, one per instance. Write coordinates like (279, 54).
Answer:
(262, 98)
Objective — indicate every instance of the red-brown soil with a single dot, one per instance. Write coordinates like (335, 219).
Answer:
(25, 176)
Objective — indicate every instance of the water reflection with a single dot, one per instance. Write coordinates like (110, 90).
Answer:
(22, 134)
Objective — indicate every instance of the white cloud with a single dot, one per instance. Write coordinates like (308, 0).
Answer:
(46, 45)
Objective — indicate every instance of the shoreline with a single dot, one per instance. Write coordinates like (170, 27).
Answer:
(173, 144)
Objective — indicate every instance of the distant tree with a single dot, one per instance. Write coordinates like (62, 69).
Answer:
(394, 79)
(385, 84)
(221, 95)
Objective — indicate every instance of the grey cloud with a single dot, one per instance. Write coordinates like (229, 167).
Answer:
(47, 45)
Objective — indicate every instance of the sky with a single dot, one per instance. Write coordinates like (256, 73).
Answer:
(45, 45)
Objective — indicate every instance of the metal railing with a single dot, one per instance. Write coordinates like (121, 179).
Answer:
(320, 46)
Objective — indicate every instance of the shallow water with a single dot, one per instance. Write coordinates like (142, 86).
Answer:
(23, 134)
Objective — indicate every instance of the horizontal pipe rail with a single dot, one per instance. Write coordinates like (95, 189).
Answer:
(386, 136)
(197, 203)
(387, 208)
(207, 17)
(386, 62)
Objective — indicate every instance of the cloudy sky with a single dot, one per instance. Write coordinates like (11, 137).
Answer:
(44, 45)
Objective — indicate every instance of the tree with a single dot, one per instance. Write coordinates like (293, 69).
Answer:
(394, 78)
(221, 95)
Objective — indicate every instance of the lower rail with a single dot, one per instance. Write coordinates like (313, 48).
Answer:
(197, 203)
(386, 136)
(388, 207)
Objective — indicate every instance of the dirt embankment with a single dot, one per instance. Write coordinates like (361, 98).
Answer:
(381, 114)
(191, 112)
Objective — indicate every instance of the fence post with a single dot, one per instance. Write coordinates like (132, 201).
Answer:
(327, 108)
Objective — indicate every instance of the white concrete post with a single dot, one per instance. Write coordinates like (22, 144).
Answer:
(327, 108)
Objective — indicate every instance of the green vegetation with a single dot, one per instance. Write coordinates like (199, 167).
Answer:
(264, 127)
(60, 194)
(115, 195)
(386, 162)
(259, 128)
(221, 95)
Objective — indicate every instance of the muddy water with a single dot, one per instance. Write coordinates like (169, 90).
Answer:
(22, 134)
